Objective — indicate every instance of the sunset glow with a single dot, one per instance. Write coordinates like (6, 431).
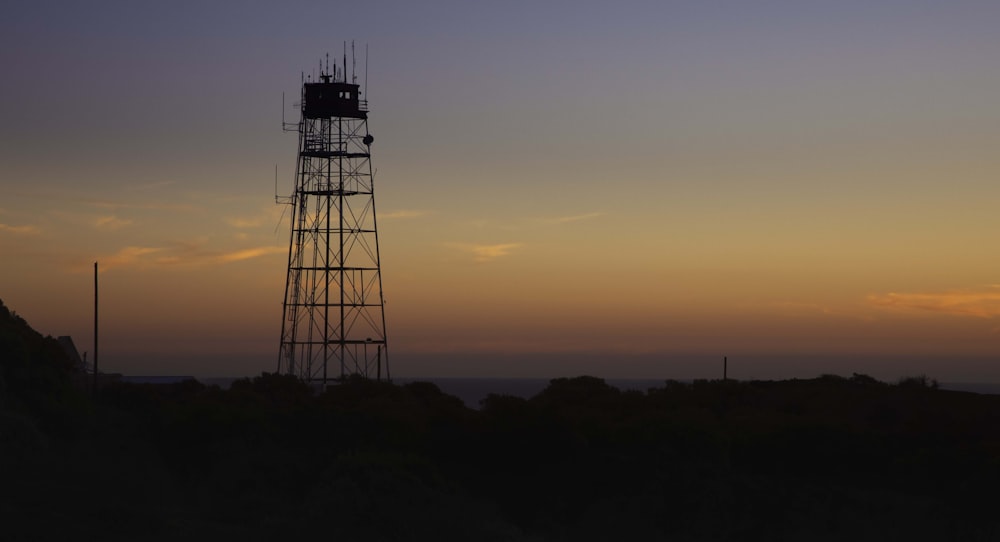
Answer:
(657, 185)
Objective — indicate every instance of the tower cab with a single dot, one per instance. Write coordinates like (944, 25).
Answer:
(333, 99)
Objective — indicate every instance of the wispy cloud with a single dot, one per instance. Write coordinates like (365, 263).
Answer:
(486, 253)
(405, 213)
(195, 253)
(796, 308)
(265, 216)
(111, 223)
(149, 204)
(982, 303)
(245, 222)
(19, 230)
(572, 218)
(249, 253)
(114, 205)
(128, 257)
(184, 254)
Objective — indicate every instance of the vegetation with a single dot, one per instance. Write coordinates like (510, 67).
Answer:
(830, 458)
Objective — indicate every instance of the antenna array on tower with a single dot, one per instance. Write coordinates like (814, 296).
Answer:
(333, 323)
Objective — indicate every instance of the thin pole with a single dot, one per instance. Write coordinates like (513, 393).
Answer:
(95, 329)
(725, 368)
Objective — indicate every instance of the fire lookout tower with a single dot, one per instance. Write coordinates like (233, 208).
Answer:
(333, 323)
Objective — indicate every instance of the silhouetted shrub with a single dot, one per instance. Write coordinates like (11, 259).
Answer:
(918, 382)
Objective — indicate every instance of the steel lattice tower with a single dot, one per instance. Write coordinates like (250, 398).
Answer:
(333, 324)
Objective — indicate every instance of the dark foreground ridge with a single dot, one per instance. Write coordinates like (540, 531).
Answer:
(829, 458)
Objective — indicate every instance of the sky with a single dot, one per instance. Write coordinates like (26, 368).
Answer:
(622, 189)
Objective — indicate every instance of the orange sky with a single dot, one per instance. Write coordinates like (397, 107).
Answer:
(671, 182)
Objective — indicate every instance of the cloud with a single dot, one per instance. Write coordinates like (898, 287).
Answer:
(266, 216)
(984, 303)
(195, 253)
(406, 213)
(111, 223)
(249, 253)
(19, 230)
(107, 204)
(128, 256)
(111, 204)
(796, 309)
(245, 222)
(486, 253)
(573, 218)
(190, 254)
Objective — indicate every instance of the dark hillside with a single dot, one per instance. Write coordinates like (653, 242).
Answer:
(830, 458)
(30, 364)
(36, 379)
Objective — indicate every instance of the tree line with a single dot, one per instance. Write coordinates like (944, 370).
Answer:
(828, 458)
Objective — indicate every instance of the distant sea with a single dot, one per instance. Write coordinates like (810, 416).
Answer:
(473, 390)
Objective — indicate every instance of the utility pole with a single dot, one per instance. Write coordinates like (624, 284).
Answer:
(95, 330)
